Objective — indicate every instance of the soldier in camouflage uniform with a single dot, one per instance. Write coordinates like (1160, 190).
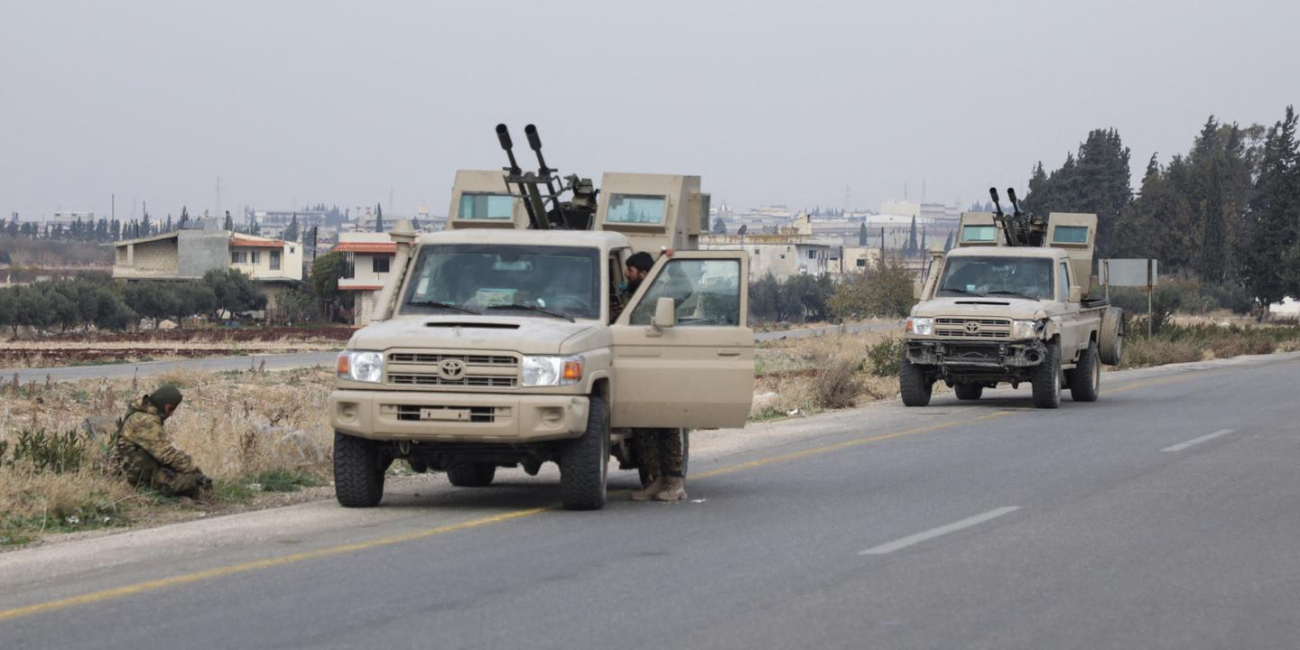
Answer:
(662, 452)
(144, 453)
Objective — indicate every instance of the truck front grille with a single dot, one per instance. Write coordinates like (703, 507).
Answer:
(471, 371)
(972, 328)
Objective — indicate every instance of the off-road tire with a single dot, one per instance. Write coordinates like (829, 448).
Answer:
(584, 462)
(1047, 379)
(914, 383)
(1110, 339)
(968, 392)
(471, 474)
(1085, 379)
(358, 471)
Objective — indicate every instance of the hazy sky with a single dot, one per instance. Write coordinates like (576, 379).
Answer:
(311, 101)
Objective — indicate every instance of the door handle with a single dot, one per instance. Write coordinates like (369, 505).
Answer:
(728, 353)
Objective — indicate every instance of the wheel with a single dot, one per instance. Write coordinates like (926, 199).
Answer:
(471, 474)
(584, 462)
(1085, 379)
(1111, 336)
(914, 384)
(358, 471)
(969, 392)
(1047, 379)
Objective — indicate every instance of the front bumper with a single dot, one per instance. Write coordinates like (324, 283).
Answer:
(976, 355)
(457, 417)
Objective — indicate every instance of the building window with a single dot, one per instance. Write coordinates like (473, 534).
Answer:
(379, 264)
(862, 262)
(275, 260)
(812, 254)
(238, 257)
(255, 257)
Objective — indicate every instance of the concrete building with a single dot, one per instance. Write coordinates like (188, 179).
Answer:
(781, 255)
(856, 259)
(369, 258)
(189, 253)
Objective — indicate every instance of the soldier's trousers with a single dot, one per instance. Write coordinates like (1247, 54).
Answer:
(143, 470)
(662, 451)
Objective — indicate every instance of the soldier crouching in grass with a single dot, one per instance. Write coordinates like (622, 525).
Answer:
(144, 453)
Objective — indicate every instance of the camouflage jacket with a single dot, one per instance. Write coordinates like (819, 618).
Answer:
(143, 428)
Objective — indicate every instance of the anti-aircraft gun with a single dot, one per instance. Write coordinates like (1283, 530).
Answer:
(1020, 228)
(541, 191)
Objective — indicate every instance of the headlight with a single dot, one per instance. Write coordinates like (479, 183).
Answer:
(552, 371)
(1024, 329)
(361, 366)
(922, 326)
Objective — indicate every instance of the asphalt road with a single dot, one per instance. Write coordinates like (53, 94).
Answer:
(309, 359)
(1162, 516)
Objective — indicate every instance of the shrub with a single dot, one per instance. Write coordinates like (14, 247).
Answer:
(837, 385)
(883, 358)
(1140, 352)
(881, 290)
(57, 453)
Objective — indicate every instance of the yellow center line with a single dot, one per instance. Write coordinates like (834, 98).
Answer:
(219, 572)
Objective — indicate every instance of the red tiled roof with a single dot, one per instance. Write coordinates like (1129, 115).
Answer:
(362, 287)
(255, 243)
(365, 247)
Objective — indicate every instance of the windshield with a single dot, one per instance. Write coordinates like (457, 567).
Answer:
(1009, 277)
(515, 280)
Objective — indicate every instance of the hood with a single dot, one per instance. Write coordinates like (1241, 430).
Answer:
(523, 334)
(977, 307)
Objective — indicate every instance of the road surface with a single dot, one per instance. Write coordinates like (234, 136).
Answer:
(310, 359)
(1162, 516)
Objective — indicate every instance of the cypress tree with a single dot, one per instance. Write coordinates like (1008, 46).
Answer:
(379, 217)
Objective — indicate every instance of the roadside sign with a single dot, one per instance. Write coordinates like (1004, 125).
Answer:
(1131, 273)
(1128, 273)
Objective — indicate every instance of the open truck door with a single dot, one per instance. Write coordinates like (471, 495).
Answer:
(683, 349)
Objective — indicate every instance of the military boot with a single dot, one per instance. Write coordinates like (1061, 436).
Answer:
(674, 490)
(648, 492)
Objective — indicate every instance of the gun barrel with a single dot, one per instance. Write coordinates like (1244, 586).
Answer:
(997, 204)
(535, 141)
(1015, 203)
(503, 136)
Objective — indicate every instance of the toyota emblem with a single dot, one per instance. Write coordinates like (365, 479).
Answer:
(451, 369)
(972, 326)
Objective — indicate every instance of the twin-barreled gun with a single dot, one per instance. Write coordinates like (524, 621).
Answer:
(541, 191)
(1019, 228)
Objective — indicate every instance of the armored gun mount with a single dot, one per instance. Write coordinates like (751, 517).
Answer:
(1019, 228)
(541, 192)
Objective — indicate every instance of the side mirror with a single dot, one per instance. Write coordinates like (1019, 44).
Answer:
(1076, 293)
(665, 314)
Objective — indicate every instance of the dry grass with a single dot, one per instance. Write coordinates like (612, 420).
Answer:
(240, 428)
(803, 376)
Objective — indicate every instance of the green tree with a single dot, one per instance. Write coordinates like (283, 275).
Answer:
(291, 231)
(862, 234)
(379, 217)
(229, 224)
(325, 274)
(1096, 180)
(1268, 255)
(883, 290)
(234, 292)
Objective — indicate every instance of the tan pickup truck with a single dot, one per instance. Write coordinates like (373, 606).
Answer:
(497, 345)
(1008, 304)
